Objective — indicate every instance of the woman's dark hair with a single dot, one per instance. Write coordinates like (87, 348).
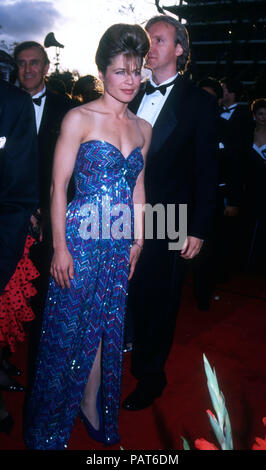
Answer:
(181, 37)
(257, 104)
(129, 40)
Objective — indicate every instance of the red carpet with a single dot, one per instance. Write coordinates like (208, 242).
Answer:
(232, 334)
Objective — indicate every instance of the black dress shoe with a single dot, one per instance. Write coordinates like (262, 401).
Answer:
(128, 347)
(10, 369)
(12, 387)
(203, 305)
(6, 424)
(139, 399)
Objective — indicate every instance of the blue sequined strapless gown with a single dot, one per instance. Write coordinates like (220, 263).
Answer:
(76, 319)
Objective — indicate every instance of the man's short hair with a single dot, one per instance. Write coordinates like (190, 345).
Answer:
(212, 83)
(27, 45)
(233, 86)
(181, 37)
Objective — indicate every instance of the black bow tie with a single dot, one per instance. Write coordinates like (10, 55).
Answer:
(38, 100)
(162, 88)
(228, 110)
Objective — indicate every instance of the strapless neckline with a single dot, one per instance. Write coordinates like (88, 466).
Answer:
(112, 145)
(260, 150)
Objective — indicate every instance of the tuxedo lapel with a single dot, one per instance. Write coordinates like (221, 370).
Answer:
(169, 117)
(51, 120)
(45, 116)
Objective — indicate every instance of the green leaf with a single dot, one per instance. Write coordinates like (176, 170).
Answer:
(222, 427)
(185, 444)
(217, 430)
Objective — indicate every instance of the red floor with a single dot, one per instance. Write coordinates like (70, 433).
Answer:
(232, 334)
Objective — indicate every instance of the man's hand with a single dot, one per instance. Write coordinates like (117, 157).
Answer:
(231, 211)
(134, 256)
(35, 221)
(191, 247)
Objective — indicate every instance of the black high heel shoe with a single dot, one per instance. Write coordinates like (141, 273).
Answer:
(96, 434)
(6, 424)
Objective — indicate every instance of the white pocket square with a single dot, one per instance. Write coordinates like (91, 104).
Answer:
(2, 142)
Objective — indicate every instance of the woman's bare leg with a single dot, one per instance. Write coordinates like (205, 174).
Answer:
(89, 399)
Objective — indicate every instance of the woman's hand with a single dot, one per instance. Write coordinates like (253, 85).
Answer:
(133, 258)
(62, 268)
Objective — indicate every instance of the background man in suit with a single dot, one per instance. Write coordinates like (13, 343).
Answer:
(234, 149)
(50, 108)
(239, 129)
(18, 187)
(180, 169)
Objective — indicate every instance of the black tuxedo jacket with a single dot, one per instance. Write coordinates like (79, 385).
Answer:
(18, 175)
(181, 163)
(240, 128)
(55, 108)
(236, 136)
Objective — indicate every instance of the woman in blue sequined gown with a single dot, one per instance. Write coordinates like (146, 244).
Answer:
(79, 363)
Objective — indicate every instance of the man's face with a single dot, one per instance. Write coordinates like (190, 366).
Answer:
(228, 97)
(31, 70)
(163, 52)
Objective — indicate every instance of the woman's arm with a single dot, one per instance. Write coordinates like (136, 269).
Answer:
(139, 202)
(67, 146)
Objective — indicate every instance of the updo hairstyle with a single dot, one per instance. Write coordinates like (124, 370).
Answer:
(129, 40)
(258, 104)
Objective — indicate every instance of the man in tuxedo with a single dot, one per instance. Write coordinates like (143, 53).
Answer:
(211, 265)
(180, 169)
(50, 108)
(234, 149)
(18, 187)
(240, 127)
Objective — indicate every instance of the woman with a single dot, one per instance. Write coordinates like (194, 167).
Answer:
(259, 111)
(256, 190)
(80, 357)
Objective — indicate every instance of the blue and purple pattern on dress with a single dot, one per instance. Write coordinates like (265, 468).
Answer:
(76, 319)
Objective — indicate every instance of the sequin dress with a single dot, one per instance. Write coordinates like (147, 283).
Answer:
(76, 319)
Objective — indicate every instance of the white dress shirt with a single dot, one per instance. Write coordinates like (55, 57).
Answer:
(152, 104)
(228, 111)
(39, 109)
(226, 115)
(261, 151)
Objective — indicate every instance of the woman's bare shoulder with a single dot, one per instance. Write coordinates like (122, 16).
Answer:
(84, 110)
(145, 128)
(144, 125)
(79, 118)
